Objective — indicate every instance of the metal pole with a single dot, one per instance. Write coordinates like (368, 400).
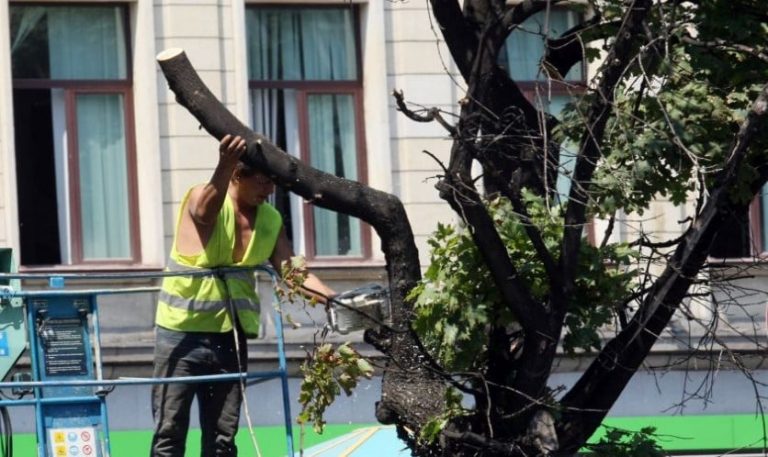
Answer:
(31, 326)
(143, 381)
(107, 450)
(284, 380)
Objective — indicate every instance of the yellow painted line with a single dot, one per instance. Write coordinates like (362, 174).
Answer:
(360, 442)
(339, 441)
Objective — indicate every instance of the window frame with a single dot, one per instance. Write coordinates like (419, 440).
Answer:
(549, 88)
(71, 88)
(303, 89)
(755, 214)
(554, 87)
(362, 169)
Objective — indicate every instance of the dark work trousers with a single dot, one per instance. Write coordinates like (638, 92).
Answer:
(192, 354)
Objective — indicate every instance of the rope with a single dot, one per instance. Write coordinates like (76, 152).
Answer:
(236, 335)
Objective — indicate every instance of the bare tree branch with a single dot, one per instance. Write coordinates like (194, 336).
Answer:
(610, 73)
(460, 36)
(433, 114)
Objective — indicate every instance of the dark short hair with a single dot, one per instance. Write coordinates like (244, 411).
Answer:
(246, 170)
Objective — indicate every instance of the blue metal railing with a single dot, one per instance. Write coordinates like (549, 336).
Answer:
(57, 282)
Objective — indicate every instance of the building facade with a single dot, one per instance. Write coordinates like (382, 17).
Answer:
(96, 155)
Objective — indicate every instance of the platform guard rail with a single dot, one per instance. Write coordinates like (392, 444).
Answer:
(57, 282)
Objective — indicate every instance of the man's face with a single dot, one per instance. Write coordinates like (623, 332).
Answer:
(255, 189)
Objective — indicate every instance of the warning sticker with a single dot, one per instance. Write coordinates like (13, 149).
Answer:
(72, 442)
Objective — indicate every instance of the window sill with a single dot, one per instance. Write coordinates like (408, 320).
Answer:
(91, 268)
(737, 267)
(345, 263)
(757, 260)
(357, 269)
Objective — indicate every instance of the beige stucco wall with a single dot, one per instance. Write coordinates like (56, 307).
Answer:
(187, 153)
(8, 230)
(398, 51)
(418, 63)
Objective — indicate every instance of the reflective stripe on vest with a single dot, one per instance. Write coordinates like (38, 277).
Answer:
(201, 303)
(229, 274)
(191, 304)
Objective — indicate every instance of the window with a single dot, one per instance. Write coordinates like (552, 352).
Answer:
(74, 138)
(306, 96)
(744, 235)
(522, 55)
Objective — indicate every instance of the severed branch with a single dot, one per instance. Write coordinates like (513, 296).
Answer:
(381, 210)
(384, 212)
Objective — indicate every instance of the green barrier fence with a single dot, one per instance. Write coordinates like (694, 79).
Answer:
(706, 434)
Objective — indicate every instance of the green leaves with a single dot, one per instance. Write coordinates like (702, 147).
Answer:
(293, 273)
(679, 105)
(431, 430)
(328, 371)
(450, 302)
(626, 443)
(457, 299)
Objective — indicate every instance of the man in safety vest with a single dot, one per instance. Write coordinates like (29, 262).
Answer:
(224, 223)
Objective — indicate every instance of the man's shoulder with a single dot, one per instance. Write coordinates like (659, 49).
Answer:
(268, 207)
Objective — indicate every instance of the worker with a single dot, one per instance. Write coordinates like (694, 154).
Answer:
(224, 223)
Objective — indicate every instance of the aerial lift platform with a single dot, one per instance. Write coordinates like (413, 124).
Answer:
(59, 327)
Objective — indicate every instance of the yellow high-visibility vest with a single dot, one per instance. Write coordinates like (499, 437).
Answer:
(201, 303)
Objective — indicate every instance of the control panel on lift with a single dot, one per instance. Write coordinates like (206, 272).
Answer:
(72, 416)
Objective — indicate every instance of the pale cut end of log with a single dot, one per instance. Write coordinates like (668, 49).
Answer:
(169, 54)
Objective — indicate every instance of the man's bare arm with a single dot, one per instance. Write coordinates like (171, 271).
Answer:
(312, 287)
(205, 201)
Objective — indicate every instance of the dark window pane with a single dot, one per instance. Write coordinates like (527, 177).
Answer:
(733, 240)
(36, 178)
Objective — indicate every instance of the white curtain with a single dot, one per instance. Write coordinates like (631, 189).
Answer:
(524, 47)
(29, 17)
(301, 44)
(333, 149)
(568, 150)
(103, 176)
(86, 43)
